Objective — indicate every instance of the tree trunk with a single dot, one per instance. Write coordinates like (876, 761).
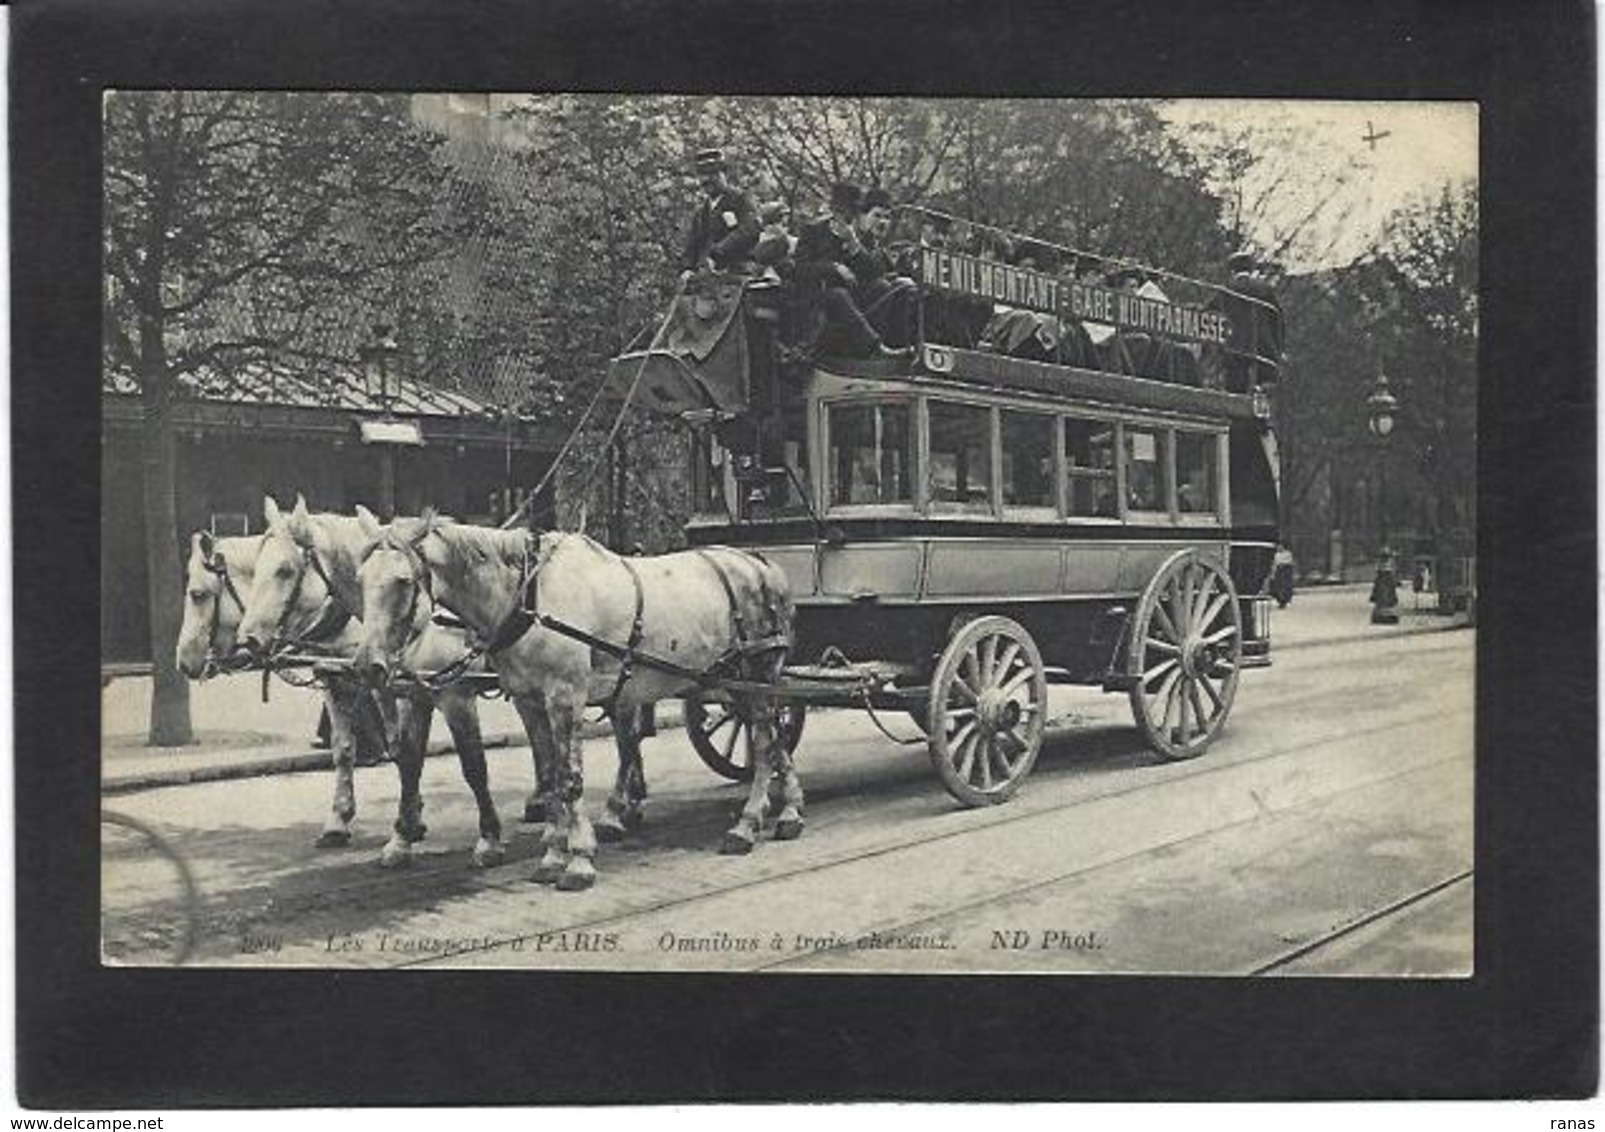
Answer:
(169, 708)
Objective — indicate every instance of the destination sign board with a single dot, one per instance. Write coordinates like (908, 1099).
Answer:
(1026, 289)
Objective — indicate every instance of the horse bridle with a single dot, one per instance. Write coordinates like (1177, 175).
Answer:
(331, 618)
(217, 566)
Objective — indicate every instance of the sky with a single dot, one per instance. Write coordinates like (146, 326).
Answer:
(1313, 150)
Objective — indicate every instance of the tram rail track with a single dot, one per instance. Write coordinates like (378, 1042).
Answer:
(1045, 813)
(410, 889)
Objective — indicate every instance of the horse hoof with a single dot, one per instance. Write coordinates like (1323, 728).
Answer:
(607, 832)
(788, 829)
(633, 820)
(534, 813)
(735, 844)
(579, 876)
(394, 857)
(333, 839)
(489, 856)
(547, 873)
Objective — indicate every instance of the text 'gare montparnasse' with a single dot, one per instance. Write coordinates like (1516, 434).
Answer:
(1034, 290)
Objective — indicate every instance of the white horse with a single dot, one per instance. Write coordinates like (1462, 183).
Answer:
(218, 575)
(307, 566)
(709, 613)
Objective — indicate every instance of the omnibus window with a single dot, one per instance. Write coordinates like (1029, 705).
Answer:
(1089, 465)
(1146, 489)
(1195, 473)
(961, 457)
(1027, 459)
(871, 454)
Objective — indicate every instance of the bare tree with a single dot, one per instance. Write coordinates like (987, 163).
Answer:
(238, 225)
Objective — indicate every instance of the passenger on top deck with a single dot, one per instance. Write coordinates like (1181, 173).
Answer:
(724, 227)
(1256, 326)
(886, 297)
(824, 251)
(773, 252)
(1108, 346)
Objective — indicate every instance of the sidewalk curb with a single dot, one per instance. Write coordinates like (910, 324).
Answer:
(1349, 638)
(320, 760)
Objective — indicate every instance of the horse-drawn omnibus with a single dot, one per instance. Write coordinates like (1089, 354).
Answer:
(966, 526)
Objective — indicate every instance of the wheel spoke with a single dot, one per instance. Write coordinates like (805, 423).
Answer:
(1183, 729)
(959, 736)
(966, 760)
(1214, 695)
(986, 762)
(1164, 647)
(1199, 713)
(961, 686)
(970, 671)
(1163, 622)
(1213, 611)
(1021, 679)
(1201, 598)
(1167, 692)
(1159, 669)
(989, 659)
(1005, 662)
(730, 747)
(1225, 633)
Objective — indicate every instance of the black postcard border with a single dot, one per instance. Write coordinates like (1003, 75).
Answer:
(1526, 1025)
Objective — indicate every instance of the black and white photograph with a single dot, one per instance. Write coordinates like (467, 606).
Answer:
(706, 533)
(593, 555)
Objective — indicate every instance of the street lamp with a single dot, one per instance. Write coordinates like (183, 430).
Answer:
(1382, 408)
(380, 383)
(376, 357)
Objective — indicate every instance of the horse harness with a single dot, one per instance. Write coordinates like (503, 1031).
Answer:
(525, 615)
(333, 617)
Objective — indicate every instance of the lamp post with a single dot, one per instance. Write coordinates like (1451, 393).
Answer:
(1382, 408)
(379, 382)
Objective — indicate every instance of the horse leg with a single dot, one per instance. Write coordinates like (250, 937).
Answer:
(462, 716)
(789, 818)
(543, 753)
(759, 714)
(635, 789)
(544, 804)
(566, 708)
(340, 700)
(615, 818)
(413, 717)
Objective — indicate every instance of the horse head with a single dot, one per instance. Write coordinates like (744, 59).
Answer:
(397, 591)
(287, 595)
(216, 575)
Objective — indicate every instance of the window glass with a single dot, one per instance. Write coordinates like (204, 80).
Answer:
(1089, 458)
(871, 453)
(1195, 473)
(961, 457)
(1145, 470)
(1027, 460)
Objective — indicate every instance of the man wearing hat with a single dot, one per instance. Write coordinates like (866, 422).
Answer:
(886, 298)
(724, 229)
(1256, 326)
(825, 251)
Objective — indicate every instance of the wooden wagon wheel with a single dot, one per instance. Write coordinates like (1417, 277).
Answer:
(988, 704)
(723, 740)
(1185, 655)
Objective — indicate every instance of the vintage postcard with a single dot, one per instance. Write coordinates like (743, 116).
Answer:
(803, 534)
